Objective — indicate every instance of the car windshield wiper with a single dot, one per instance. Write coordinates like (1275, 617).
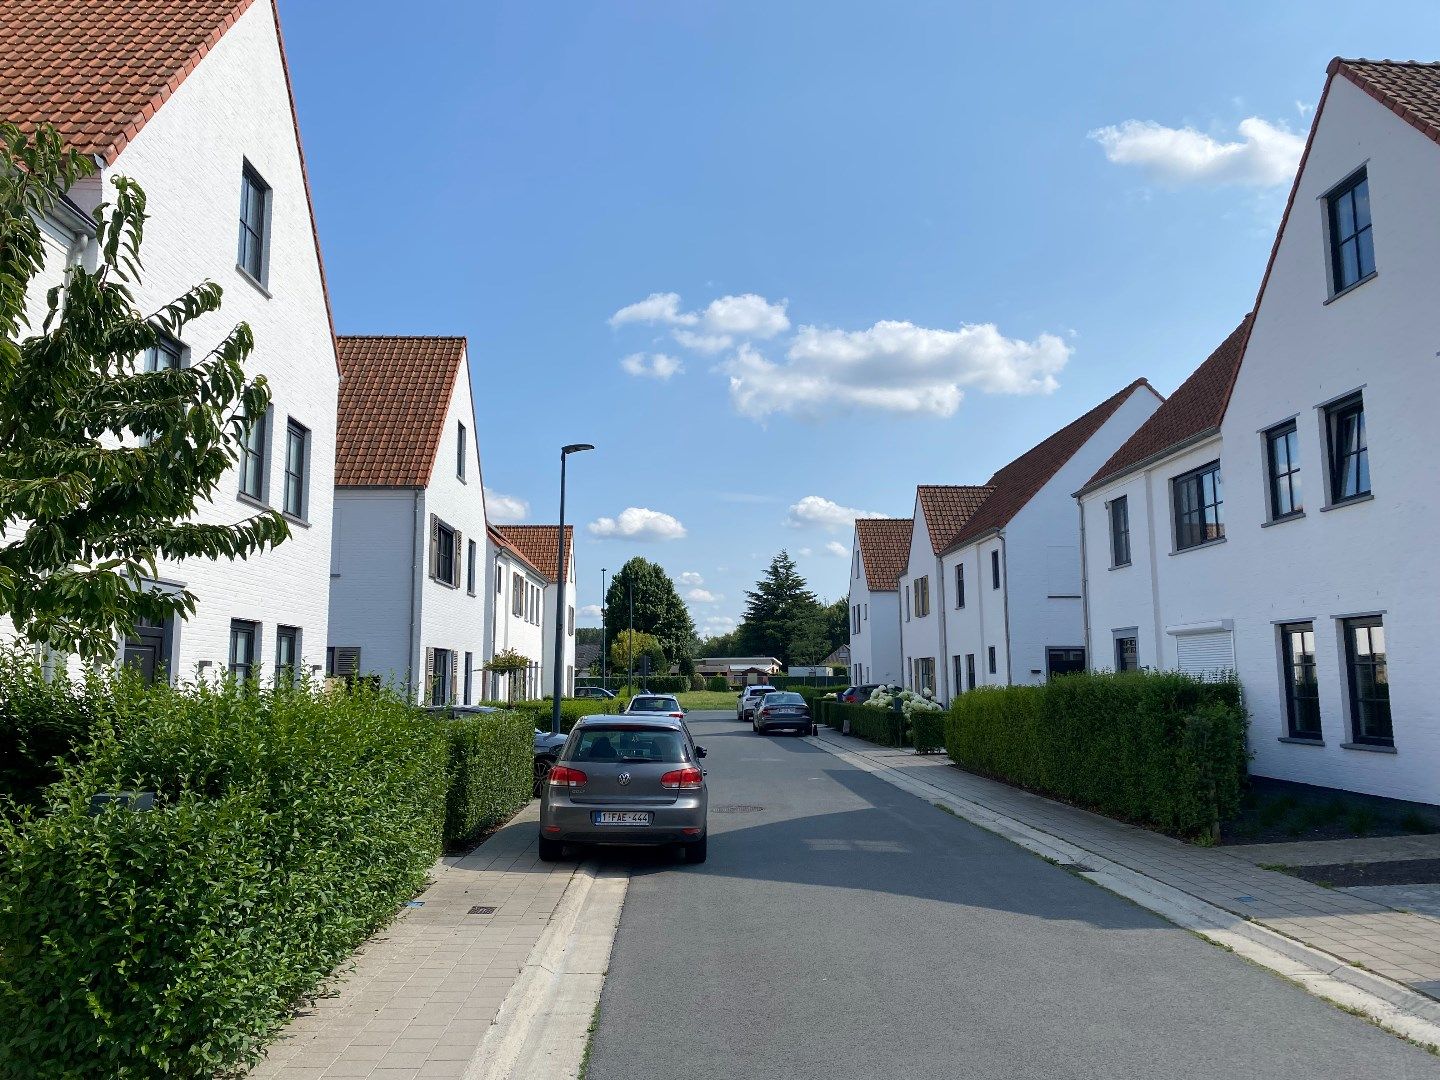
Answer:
(634, 759)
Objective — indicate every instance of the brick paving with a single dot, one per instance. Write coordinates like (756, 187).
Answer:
(424, 992)
(1399, 945)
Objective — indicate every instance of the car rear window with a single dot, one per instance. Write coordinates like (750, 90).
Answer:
(654, 704)
(631, 743)
(784, 699)
(756, 691)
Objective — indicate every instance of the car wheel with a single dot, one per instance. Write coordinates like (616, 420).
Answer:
(542, 770)
(695, 852)
(551, 850)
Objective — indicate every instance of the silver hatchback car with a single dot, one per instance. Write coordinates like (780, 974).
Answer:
(626, 780)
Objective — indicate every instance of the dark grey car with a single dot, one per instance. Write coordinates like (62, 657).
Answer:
(626, 780)
(781, 711)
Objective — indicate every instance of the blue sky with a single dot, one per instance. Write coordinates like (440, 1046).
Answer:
(906, 241)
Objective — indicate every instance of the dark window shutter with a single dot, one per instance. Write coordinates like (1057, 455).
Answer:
(434, 544)
(454, 673)
(458, 547)
(429, 675)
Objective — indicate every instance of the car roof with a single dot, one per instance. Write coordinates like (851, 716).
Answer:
(670, 722)
(651, 695)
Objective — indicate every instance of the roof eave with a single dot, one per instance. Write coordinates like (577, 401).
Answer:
(1152, 459)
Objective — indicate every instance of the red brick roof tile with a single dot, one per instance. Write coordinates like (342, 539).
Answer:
(947, 509)
(1196, 407)
(537, 545)
(1019, 482)
(394, 397)
(884, 550)
(1408, 88)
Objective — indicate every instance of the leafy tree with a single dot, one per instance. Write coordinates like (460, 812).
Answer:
(102, 464)
(629, 647)
(780, 613)
(659, 611)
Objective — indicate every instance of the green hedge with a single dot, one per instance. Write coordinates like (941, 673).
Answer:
(929, 732)
(538, 711)
(1156, 748)
(43, 724)
(288, 827)
(884, 727)
(490, 773)
(717, 684)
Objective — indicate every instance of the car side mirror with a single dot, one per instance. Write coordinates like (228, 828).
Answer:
(700, 751)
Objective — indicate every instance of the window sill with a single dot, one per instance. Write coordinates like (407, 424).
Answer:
(1282, 520)
(444, 584)
(1352, 287)
(1200, 547)
(1369, 748)
(250, 500)
(1296, 740)
(259, 285)
(293, 520)
(1367, 497)
(1122, 566)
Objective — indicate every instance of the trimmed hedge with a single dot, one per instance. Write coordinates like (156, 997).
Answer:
(490, 773)
(1156, 748)
(884, 727)
(288, 827)
(43, 724)
(929, 732)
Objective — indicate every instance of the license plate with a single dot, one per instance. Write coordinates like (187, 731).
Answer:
(621, 817)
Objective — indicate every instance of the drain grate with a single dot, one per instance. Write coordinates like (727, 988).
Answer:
(737, 808)
(482, 910)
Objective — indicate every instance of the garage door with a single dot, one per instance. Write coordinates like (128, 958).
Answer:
(1205, 655)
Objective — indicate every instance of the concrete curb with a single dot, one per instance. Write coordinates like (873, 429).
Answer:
(543, 1025)
(1389, 1004)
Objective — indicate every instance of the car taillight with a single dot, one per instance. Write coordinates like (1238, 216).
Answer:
(688, 779)
(563, 776)
(678, 715)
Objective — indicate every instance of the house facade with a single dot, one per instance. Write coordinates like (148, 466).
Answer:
(205, 123)
(408, 582)
(516, 619)
(879, 553)
(539, 549)
(1305, 574)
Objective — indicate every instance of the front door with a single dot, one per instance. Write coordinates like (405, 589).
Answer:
(1064, 661)
(145, 651)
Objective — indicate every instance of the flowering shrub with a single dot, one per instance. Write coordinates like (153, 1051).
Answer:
(904, 701)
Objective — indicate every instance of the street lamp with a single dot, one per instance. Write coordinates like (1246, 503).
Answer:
(558, 681)
(604, 635)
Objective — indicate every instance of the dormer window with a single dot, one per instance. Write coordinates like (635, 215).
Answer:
(1352, 252)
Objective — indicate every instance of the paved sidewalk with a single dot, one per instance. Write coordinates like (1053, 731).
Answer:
(1398, 945)
(424, 992)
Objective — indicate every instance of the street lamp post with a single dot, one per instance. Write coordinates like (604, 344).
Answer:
(604, 636)
(558, 681)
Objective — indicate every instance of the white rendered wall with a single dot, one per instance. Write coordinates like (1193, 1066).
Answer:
(514, 631)
(920, 637)
(567, 654)
(980, 624)
(875, 647)
(378, 547)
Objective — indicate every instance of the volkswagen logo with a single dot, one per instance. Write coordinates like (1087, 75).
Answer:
(624, 778)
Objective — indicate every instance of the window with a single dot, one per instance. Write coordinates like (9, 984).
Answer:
(469, 676)
(254, 223)
(287, 653)
(1127, 651)
(1369, 681)
(922, 598)
(995, 569)
(164, 355)
(925, 674)
(907, 603)
(517, 596)
(855, 561)
(1120, 531)
(244, 639)
(470, 556)
(1282, 464)
(1198, 500)
(570, 620)
(441, 676)
(1352, 252)
(958, 663)
(460, 451)
(297, 455)
(252, 459)
(1302, 689)
(865, 612)
(959, 589)
(499, 581)
(444, 553)
(991, 656)
(970, 671)
(1349, 450)
(855, 619)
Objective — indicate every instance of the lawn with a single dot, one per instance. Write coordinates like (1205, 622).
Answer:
(708, 699)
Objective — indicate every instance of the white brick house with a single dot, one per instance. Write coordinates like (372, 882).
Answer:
(538, 548)
(1003, 561)
(879, 552)
(517, 618)
(1315, 579)
(408, 583)
(193, 102)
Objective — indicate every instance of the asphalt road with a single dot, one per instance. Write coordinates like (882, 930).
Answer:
(850, 930)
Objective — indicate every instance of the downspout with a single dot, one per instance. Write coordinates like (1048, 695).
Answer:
(944, 658)
(1005, 600)
(415, 572)
(1085, 586)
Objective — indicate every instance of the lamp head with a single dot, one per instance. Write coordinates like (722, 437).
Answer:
(575, 448)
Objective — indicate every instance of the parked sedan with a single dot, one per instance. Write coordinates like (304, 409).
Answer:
(626, 780)
(596, 693)
(782, 711)
(749, 698)
(649, 704)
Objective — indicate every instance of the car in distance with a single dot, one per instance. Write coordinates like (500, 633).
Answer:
(782, 711)
(857, 695)
(626, 780)
(746, 705)
(598, 693)
(652, 704)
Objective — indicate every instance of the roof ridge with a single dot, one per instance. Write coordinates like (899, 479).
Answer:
(1387, 62)
(401, 337)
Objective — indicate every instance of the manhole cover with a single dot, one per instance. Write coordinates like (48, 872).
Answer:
(737, 808)
(482, 911)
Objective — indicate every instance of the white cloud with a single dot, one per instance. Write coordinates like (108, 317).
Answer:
(894, 367)
(505, 509)
(651, 365)
(749, 316)
(703, 596)
(718, 624)
(657, 307)
(813, 511)
(638, 523)
(839, 550)
(1265, 155)
(591, 611)
(805, 552)
(690, 577)
(701, 342)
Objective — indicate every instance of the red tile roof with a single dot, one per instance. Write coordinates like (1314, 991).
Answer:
(947, 509)
(1019, 482)
(537, 545)
(884, 550)
(1195, 408)
(394, 396)
(1408, 88)
(505, 545)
